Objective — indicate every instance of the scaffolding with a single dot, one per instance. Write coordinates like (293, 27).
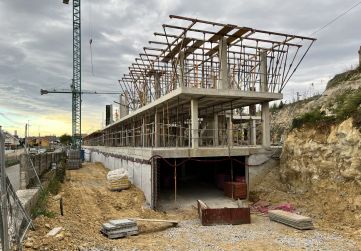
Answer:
(185, 90)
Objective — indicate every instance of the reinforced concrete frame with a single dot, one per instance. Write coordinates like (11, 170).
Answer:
(203, 84)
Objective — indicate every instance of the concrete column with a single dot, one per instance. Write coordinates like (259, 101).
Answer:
(252, 132)
(359, 56)
(263, 72)
(252, 124)
(24, 170)
(157, 85)
(266, 135)
(215, 130)
(143, 133)
(230, 130)
(133, 134)
(194, 119)
(223, 82)
(156, 130)
(179, 139)
(181, 69)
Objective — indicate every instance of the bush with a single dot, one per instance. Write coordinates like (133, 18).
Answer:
(315, 117)
(40, 207)
(347, 105)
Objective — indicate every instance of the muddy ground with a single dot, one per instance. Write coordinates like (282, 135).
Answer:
(88, 203)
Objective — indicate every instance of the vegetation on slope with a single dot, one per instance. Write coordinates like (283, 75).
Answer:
(345, 76)
(346, 105)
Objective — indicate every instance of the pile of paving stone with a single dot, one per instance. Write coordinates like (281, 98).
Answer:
(119, 228)
(291, 219)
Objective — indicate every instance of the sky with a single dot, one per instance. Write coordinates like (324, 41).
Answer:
(36, 49)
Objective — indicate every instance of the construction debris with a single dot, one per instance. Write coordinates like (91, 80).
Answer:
(173, 222)
(119, 228)
(291, 219)
(118, 180)
(54, 231)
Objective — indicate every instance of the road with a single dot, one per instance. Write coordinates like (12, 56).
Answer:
(13, 173)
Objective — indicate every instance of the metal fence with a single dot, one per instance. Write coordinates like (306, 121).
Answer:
(14, 220)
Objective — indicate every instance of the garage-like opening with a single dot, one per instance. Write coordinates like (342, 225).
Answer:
(208, 179)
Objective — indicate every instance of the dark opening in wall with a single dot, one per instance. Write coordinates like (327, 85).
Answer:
(197, 178)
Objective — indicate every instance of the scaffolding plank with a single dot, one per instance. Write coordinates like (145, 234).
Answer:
(194, 47)
(183, 43)
(237, 34)
(222, 32)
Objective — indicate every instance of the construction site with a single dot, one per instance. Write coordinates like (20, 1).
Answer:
(202, 153)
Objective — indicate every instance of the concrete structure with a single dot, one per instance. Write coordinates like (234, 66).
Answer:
(359, 56)
(193, 104)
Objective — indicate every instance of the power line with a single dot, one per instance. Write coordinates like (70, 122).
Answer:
(336, 18)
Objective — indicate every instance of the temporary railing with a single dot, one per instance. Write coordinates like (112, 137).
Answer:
(172, 136)
(14, 221)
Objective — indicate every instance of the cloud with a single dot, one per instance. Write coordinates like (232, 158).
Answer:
(36, 48)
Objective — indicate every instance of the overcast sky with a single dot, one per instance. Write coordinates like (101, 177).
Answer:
(36, 49)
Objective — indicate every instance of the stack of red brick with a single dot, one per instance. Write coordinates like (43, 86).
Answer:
(235, 190)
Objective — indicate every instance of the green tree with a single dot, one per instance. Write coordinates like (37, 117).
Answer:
(65, 139)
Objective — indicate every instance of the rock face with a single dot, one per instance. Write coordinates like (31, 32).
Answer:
(313, 156)
(281, 119)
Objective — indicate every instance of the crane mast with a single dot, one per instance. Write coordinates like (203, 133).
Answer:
(76, 85)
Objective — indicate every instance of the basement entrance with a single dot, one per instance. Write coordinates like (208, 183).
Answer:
(198, 178)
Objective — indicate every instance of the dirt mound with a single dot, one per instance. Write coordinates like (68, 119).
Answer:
(331, 206)
(87, 204)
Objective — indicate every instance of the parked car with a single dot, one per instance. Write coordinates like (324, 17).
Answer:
(33, 151)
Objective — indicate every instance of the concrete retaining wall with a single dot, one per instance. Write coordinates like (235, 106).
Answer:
(259, 166)
(140, 174)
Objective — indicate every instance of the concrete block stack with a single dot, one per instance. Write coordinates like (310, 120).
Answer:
(74, 161)
(291, 219)
(119, 228)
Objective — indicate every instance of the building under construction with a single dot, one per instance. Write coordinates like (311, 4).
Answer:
(194, 109)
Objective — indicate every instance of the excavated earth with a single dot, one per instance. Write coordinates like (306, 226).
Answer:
(88, 203)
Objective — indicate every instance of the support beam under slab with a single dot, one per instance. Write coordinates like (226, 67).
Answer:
(195, 126)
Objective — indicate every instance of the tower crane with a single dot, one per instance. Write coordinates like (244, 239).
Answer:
(42, 91)
(76, 85)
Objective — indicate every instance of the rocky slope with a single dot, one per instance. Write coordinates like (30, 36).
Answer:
(320, 165)
(282, 118)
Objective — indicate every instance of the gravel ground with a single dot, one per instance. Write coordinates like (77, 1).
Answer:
(260, 235)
